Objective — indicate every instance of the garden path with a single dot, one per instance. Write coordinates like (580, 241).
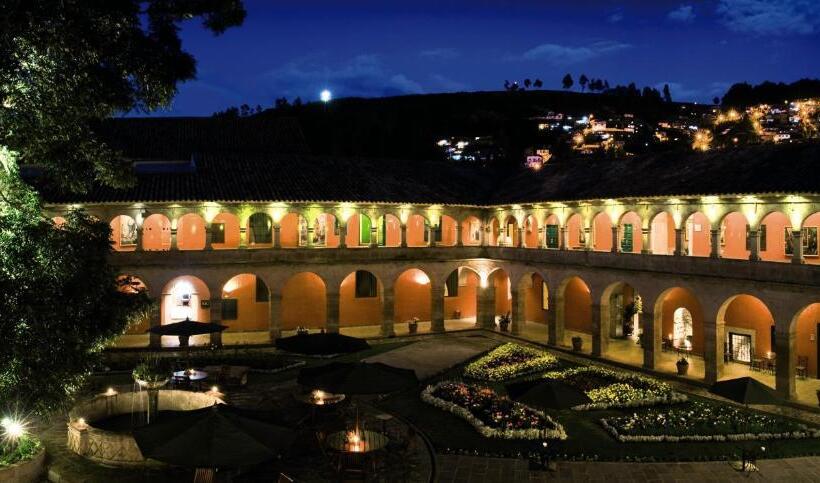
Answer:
(431, 357)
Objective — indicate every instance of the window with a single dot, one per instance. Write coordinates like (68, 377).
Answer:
(217, 233)
(260, 226)
(451, 285)
(262, 294)
(230, 309)
(364, 230)
(626, 239)
(366, 284)
(552, 236)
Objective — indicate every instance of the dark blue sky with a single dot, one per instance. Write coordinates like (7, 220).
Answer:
(386, 47)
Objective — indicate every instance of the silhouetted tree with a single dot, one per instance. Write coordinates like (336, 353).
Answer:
(506, 85)
(281, 103)
(582, 81)
(567, 82)
(538, 84)
(297, 102)
(667, 96)
(716, 100)
(527, 83)
(606, 85)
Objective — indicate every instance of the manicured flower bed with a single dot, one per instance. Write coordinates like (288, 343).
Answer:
(609, 389)
(492, 415)
(509, 361)
(26, 448)
(699, 421)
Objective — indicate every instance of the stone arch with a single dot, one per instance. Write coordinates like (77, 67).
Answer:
(734, 228)
(509, 236)
(225, 231)
(804, 325)
(531, 232)
(156, 233)
(748, 326)
(360, 300)
(131, 284)
(630, 233)
(471, 231)
(445, 234)
(697, 235)
(326, 231)
(418, 233)
(461, 307)
(359, 231)
(620, 311)
(250, 297)
(260, 230)
(662, 234)
(574, 311)
(191, 232)
(530, 308)
(389, 230)
(182, 298)
(304, 302)
(602, 232)
(811, 238)
(293, 230)
(494, 231)
(663, 321)
(412, 292)
(575, 233)
(500, 279)
(124, 233)
(773, 230)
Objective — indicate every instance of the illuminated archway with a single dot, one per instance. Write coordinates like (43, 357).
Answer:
(576, 236)
(360, 300)
(190, 232)
(494, 233)
(748, 328)
(620, 312)
(509, 236)
(471, 231)
(630, 238)
(156, 233)
(696, 235)
(811, 238)
(245, 303)
(359, 231)
(304, 302)
(552, 232)
(260, 231)
(461, 298)
(805, 325)
(412, 300)
(123, 233)
(531, 232)
(602, 233)
(418, 233)
(733, 236)
(662, 233)
(293, 231)
(445, 233)
(185, 297)
(503, 294)
(575, 311)
(225, 231)
(389, 231)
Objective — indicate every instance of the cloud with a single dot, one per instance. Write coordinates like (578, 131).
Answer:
(441, 53)
(683, 14)
(565, 54)
(615, 17)
(770, 17)
(443, 83)
(363, 75)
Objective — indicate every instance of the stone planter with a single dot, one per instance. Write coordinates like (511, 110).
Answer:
(577, 344)
(683, 368)
(27, 471)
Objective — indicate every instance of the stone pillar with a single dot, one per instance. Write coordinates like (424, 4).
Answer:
(277, 236)
(616, 247)
(797, 244)
(713, 341)
(521, 233)
(374, 236)
(403, 235)
(563, 241)
(216, 318)
(173, 238)
(714, 236)
(459, 235)
(436, 308)
(785, 341)
(275, 313)
(155, 340)
(485, 313)
(332, 324)
(139, 239)
(600, 333)
(485, 235)
(555, 331)
(678, 242)
(209, 236)
(243, 237)
(587, 239)
(754, 245)
(309, 236)
(388, 312)
(518, 311)
(342, 236)
(651, 340)
(646, 241)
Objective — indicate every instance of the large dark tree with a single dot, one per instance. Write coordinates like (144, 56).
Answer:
(567, 82)
(66, 65)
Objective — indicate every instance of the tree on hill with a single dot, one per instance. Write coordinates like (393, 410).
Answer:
(527, 83)
(582, 81)
(567, 82)
(538, 83)
(667, 95)
(743, 94)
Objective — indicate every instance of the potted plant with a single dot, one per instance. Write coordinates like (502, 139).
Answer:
(577, 343)
(413, 325)
(151, 374)
(683, 366)
(504, 322)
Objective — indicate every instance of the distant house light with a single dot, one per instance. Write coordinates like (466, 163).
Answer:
(325, 96)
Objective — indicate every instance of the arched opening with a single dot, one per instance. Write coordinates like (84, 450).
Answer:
(360, 304)
(806, 325)
(533, 296)
(621, 306)
(445, 233)
(359, 231)
(696, 236)
(630, 238)
(774, 232)
(576, 236)
(245, 308)
(734, 231)
(509, 234)
(326, 231)
(123, 233)
(531, 232)
(293, 231)
(471, 231)
(59, 221)
(602, 233)
(411, 296)
(809, 238)
(225, 231)
(418, 233)
(576, 314)
(495, 232)
(461, 299)
(135, 334)
(503, 295)
(185, 297)
(190, 232)
(748, 339)
(260, 231)
(552, 232)
(304, 303)
(662, 234)
(680, 330)
(156, 233)
(389, 231)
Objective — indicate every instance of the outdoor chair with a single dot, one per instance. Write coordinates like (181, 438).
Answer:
(755, 364)
(802, 367)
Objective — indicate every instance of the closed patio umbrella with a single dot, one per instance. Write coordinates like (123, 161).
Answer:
(357, 378)
(186, 329)
(322, 344)
(745, 390)
(547, 393)
(219, 436)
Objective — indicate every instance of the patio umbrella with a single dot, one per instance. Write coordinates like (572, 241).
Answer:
(745, 390)
(547, 393)
(186, 329)
(322, 344)
(357, 378)
(219, 436)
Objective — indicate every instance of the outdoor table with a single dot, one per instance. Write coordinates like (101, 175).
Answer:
(193, 376)
(326, 399)
(371, 441)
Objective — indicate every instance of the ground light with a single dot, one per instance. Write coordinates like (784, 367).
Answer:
(13, 429)
(325, 96)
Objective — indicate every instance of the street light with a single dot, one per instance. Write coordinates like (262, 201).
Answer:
(325, 96)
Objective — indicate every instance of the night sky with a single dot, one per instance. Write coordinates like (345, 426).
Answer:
(377, 48)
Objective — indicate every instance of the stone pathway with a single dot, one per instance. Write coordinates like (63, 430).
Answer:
(466, 469)
(431, 357)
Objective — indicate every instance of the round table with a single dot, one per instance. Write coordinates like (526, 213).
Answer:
(193, 376)
(372, 441)
(328, 399)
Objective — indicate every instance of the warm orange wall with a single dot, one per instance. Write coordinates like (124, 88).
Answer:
(532, 301)
(734, 237)
(352, 237)
(448, 231)
(602, 228)
(503, 301)
(812, 220)
(393, 228)
(466, 300)
(411, 298)
(304, 302)
(156, 233)
(289, 231)
(574, 231)
(415, 231)
(251, 315)
(511, 240)
(632, 218)
(190, 232)
(577, 306)
(231, 231)
(776, 224)
(806, 331)
(748, 312)
(531, 232)
(358, 311)
(701, 242)
(662, 224)
(494, 232)
(675, 299)
(466, 236)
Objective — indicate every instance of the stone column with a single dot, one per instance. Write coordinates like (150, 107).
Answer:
(274, 309)
(436, 308)
(309, 237)
(342, 236)
(277, 236)
(209, 236)
(403, 235)
(332, 324)
(651, 340)
(139, 239)
(600, 333)
(555, 331)
(173, 238)
(616, 247)
(587, 238)
(388, 312)
(155, 340)
(485, 313)
(785, 345)
(714, 236)
(563, 242)
(459, 241)
(797, 244)
(517, 311)
(713, 340)
(678, 242)
(485, 235)
(243, 237)
(374, 237)
(646, 241)
(754, 245)
(521, 233)
(216, 318)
